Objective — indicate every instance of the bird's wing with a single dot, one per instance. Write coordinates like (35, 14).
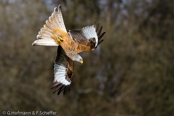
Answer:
(63, 72)
(87, 38)
(46, 35)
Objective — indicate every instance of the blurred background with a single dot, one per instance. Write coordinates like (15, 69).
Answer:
(130, 74)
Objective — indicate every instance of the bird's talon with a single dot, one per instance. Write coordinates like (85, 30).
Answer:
(60, 39)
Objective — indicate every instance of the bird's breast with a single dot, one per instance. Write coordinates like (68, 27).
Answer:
(67, 44)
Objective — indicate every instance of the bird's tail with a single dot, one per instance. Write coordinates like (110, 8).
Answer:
(46, 35)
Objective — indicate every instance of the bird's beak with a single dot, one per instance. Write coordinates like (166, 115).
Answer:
(81, 62)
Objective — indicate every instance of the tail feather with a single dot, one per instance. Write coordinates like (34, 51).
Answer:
(46, 35)
(44, 42)
(45, 31)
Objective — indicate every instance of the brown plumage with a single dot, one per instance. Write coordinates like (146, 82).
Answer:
(54, 33)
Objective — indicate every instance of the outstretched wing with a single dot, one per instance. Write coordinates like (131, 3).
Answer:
(46, 35)
(63, 72)
(87, 38)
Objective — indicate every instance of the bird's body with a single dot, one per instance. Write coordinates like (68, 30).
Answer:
(69, 45)
(67, 42)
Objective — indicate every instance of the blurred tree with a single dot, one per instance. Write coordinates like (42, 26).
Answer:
(130, 73)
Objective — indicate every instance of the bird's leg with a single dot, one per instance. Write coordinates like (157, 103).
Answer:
(60, 39)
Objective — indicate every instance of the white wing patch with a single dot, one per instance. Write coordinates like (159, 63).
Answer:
(60, 74)
(90, 32)
(85, 33)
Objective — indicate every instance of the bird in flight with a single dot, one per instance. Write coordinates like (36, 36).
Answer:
(54, 33)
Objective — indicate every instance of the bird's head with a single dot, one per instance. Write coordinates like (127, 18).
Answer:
(78, 58)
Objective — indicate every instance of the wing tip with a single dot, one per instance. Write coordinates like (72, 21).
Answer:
(59, 6)
(59, 88)
(56, 9)
(34, 44)
(99, 29)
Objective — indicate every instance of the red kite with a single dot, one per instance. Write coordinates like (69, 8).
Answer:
(70, 44)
